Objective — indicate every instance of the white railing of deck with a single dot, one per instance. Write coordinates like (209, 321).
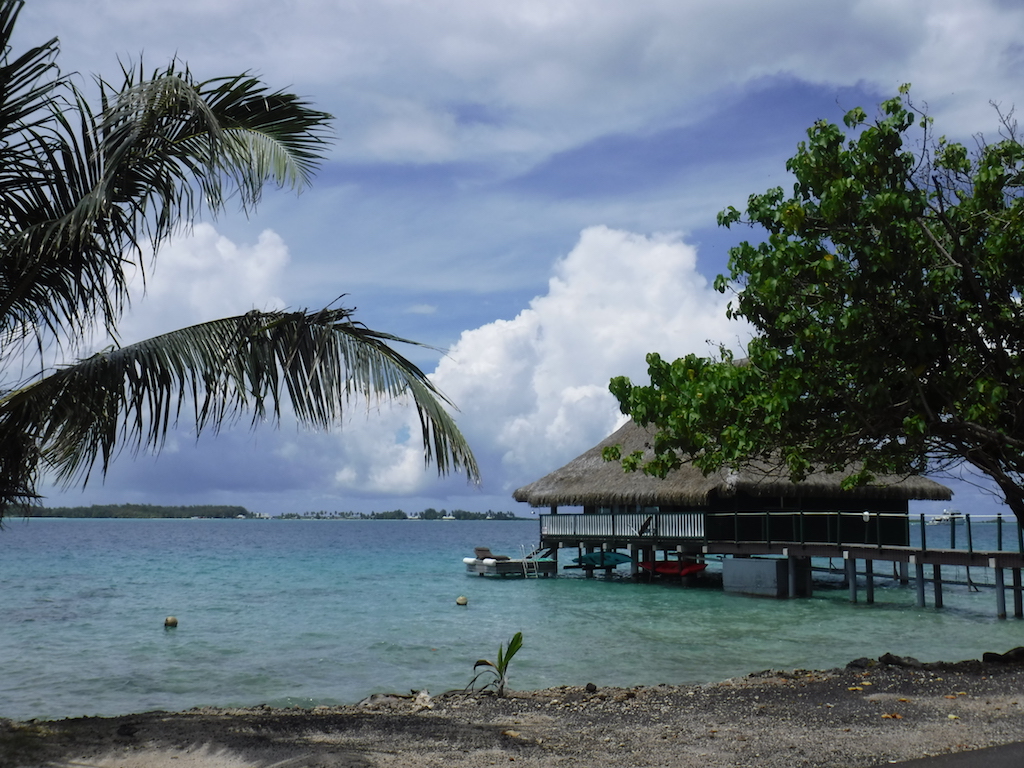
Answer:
(673, 525)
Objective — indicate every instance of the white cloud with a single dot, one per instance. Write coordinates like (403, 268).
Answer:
(533, 391)
(204, 276)
(548, 75)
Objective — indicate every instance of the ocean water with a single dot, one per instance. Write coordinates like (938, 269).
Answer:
(325, 612)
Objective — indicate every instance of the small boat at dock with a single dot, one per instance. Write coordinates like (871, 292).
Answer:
(600, 559)
(486, 563)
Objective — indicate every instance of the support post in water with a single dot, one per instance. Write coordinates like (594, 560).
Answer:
(1000, 589)
(791, 563)
(869, 574)
(1018, 602)
(851, 575)
(904, 572)
(919, 581)
(937, 583)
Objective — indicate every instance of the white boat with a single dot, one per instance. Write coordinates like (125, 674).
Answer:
(485, 563)
(947, 516)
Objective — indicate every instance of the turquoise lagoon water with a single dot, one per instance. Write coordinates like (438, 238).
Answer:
(323, 612)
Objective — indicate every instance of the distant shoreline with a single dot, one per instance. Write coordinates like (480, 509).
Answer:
(229, 512)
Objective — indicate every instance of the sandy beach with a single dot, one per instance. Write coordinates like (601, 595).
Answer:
(869, 713)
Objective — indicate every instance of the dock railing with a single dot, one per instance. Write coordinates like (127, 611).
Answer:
(838, 529)
(629, 525)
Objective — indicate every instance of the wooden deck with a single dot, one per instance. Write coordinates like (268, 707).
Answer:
(799, 538)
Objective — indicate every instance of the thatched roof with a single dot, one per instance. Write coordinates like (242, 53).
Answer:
(590, 480)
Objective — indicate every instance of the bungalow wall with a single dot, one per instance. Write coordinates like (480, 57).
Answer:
(792, 519)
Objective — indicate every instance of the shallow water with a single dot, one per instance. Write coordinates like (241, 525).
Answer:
(320, 612)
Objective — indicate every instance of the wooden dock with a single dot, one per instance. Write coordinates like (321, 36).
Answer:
(850, 538)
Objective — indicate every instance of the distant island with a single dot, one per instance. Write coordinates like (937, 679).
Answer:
(139, 511)
(153, 511)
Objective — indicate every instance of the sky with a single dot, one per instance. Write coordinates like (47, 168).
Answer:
(529, 188)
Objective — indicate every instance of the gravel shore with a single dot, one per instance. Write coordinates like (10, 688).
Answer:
(873, 712)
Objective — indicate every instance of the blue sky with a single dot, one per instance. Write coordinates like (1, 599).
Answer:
(530, 186)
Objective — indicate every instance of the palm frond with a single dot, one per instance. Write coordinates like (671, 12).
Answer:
(83, 190)
(255, 363)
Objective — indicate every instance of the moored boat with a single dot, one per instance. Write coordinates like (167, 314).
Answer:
(485, 563)
(600, 559)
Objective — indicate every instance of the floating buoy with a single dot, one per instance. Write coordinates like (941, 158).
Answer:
(171, 621)
(462, 600)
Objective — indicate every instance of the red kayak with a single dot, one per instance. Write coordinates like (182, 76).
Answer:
(673, 567)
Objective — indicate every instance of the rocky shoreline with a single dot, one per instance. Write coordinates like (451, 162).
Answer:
(872, 712)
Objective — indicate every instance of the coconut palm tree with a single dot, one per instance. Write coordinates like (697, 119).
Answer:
(82, 192)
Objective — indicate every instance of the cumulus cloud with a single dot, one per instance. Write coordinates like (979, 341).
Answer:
(204, 276)
(533, 391)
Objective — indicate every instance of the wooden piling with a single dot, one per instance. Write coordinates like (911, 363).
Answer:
(851, 575)
(1018, 594)
(791, 562)
(1000, 593)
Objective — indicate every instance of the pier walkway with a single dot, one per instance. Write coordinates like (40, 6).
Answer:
(860, 541)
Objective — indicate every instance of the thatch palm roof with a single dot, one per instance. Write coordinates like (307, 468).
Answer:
(590, 480)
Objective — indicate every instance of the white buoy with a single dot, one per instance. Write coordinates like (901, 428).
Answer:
(171, 621)
(462, 600)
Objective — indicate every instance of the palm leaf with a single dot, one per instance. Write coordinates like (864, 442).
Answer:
(83, 191)
(131, 396)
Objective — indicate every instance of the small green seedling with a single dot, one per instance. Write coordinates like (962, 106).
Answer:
(498, 671)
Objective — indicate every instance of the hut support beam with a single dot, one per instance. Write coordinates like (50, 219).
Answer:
(1000, 593)
(1018, 603)
(869, 573)
(851, 575)
(918, 581)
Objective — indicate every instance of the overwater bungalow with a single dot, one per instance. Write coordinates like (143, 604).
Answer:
(739, 514)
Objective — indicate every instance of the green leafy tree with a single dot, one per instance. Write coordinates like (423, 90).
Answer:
(83, 190)
(886, 304)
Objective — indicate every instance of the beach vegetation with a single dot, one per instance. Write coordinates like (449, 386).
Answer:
(90, 186)
(884, 294)
(495, 673)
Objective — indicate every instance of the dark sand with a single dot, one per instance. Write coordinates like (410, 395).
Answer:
(864, 715)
